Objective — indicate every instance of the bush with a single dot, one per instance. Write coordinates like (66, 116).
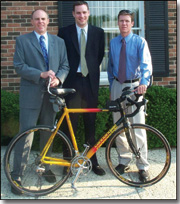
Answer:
(162, 111)
(9, 115)
(162, 114)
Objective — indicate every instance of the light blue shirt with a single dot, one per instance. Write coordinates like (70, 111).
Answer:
(138, 59)
(79, 38)
(45, 40)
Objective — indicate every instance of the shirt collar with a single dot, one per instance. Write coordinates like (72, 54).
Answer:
(79, 29)
(38, 36)
(127, 38)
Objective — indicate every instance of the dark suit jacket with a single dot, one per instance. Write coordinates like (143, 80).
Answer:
(94, 54)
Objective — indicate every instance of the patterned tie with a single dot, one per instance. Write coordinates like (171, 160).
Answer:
(44, 50)
(84, 68)
(122, 63)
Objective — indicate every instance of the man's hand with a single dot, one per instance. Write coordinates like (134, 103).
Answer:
(141, 89)
(47, 74)
(54, 80)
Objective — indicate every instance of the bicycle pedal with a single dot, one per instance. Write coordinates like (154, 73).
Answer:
(73, 187)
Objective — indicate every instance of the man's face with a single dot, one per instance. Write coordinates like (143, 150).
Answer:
(125, 24)
(40, 21)
(81, 15)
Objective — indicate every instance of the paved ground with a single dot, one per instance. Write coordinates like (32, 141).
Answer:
(105, 187)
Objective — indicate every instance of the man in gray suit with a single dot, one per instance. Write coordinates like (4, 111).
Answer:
(35, 65)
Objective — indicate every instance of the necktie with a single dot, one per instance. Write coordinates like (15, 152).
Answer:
(84, 68)
(122, 63)
(44, 50)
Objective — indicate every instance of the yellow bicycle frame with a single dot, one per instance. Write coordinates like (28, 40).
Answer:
(90, 153)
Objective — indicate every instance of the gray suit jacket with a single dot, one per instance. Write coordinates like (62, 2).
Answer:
(29, 63)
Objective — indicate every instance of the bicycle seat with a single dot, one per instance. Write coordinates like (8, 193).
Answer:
(61, 91)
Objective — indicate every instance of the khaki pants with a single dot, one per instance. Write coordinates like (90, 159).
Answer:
(139, 136)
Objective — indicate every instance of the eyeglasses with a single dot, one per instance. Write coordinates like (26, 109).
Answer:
(126, 12)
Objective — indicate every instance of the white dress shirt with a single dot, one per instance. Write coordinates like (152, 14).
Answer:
(45, 40)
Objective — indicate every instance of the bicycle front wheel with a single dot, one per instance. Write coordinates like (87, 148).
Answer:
(23, 161)
(154, 156)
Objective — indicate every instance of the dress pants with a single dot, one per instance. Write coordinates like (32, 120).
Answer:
(28, 119)
(83, 98)
(139, 136)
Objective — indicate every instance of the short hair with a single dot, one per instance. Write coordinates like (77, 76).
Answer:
(39, 10)
(78, 3)
(126, 12)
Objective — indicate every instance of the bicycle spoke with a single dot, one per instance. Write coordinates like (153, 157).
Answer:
(35, 181)
(157, 160)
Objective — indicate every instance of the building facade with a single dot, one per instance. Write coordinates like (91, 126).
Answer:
(156, 21)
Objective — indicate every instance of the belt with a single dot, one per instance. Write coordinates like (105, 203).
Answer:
(80, 74)
(128, 81)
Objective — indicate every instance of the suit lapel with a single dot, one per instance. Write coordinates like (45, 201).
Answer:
(35, 43)
(74, 38)
(50, 48)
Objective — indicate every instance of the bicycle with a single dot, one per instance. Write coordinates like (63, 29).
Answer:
(66, 160)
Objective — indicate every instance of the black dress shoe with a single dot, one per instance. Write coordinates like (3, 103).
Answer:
(14, 190)
(143, 175)
(121, 168)
(49, 176)
(98, 170)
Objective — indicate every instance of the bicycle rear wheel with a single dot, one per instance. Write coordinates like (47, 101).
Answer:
(31, 170)
(159, 156)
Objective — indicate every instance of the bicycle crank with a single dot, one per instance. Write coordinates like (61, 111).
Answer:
(80, 165)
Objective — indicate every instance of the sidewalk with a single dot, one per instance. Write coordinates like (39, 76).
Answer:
(105, 187)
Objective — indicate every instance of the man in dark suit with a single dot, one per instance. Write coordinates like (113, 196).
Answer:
(84, 70)
(35, 69)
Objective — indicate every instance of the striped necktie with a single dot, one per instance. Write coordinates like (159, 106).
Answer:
(44, 50)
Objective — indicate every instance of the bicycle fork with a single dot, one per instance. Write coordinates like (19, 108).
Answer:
(127, 128)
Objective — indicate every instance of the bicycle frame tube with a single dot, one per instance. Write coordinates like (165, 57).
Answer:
(103, 139)
(66, 114)
(49, 142)
(84, 110)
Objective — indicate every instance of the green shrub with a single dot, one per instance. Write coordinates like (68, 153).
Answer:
(162, 111)
(9, 115)
(162, 114)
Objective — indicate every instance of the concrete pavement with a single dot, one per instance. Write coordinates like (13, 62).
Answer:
(103, 187)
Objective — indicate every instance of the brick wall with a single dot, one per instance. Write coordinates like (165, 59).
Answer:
(15, 21)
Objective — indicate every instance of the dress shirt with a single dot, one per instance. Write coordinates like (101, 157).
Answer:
(45, 40)
(138, 59)
(79, 38)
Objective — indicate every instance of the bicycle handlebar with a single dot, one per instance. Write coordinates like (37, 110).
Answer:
(48, 87)
(127, 92)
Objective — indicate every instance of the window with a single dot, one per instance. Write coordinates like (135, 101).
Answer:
(104, 14)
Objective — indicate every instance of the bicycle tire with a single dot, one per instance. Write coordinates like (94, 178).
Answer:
(33, 183)
(159, 157)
